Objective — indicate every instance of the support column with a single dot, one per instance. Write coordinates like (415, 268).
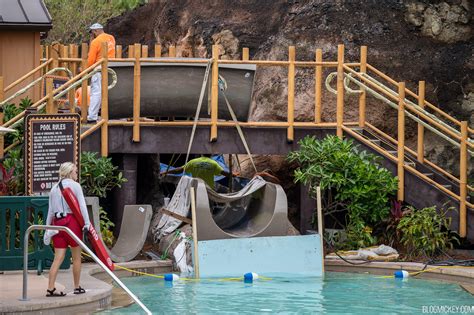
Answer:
(307, 205)
(127, 194)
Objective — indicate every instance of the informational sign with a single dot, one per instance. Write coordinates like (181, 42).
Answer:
(50, 141)
(57, 82)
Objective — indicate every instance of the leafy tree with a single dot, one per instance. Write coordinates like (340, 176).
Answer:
(71, 18)
(351, 179)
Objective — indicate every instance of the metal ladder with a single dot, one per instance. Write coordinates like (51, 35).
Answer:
(84, 247)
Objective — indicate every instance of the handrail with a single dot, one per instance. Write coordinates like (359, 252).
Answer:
(31, 84)
(28, 74)
(84, 247)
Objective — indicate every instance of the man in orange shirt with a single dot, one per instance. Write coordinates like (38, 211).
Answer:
(78, 96)
(98, 37)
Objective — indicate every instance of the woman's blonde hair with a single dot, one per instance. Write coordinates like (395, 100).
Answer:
(65, 170)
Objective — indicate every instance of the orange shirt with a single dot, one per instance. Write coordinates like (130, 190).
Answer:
(78, 96)
(96, 45)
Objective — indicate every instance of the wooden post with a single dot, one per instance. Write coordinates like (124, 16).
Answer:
(50, 108)
(157, 51)
(2, 96)
(54, 55)
(401, 141)
(131, 51)
(363, 94)
(463, 180)
(318, 81)
(104, 107)
(73, 52)
(245, 54)
(291, 93)
(214, 91)
(118, 51)
(421, 129)
(136, 95)
(195, 239)
(172, 51)
(319, 210)
(73, 67)
(340, 90)
(64, 53)
(85, 99)
(144, 51)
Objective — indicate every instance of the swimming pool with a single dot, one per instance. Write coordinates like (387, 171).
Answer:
(338, 293)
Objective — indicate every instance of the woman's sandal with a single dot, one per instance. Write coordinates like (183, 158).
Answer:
(52, 292)
(79, 290)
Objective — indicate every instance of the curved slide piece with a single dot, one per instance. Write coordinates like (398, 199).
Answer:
(264, 215)
(173, 89)
(135, 224)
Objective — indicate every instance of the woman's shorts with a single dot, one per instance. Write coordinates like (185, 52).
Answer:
(62, 239)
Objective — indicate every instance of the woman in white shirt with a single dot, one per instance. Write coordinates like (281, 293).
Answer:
(60, 214)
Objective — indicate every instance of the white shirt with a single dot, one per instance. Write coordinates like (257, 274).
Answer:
(57, 203)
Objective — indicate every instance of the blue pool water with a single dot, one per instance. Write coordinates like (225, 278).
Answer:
(338, 293)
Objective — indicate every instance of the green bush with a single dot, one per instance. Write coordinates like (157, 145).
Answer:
(10, 111)
(106, 228)
(72, 18)
(13, 165)
(99, 175)
(425, 231)
(351, 179)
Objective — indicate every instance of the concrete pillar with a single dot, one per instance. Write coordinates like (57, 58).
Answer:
(127, 194)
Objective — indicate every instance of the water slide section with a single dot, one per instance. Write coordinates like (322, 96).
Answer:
(173, 89)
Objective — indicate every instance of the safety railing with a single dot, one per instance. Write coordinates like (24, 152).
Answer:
(369, 80)
(24, 296)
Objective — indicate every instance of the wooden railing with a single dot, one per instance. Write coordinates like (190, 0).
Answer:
(458, 131)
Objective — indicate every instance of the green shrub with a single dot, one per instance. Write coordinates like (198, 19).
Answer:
(13, 165)
(106, 228)
(351, 179)
(425, 231)
(99, 175)
(10, 111)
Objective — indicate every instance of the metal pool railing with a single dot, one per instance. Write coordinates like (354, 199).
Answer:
(85, 248)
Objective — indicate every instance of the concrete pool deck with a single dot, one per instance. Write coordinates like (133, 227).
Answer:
(97, 283)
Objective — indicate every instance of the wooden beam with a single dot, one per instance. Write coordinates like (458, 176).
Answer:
(245, 53)
(157, 51)
(50, 108)
(131, 51)
(340, 90)
(104, 107)
(85, 99)
(318, 81)
(363, 94)
(401, 142)
(291, 94)
(421, 129)
(176, 216)
(214, 92)
(118, 51)
(172, 51)
(136, 95)
(463, 180)
(2, 96)
(144, 51)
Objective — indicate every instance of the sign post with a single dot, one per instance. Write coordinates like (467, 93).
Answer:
(50, 141)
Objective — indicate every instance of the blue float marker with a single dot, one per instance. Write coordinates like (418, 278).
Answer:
(171, 277)
(250, 276)
(401, 274)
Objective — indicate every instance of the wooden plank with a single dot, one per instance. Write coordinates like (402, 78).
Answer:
(176, 216)
(291, 94)
(340, 90)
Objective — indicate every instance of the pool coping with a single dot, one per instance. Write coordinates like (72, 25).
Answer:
(463, 276)
(98, 284)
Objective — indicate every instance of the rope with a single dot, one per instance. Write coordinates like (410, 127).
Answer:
(198, 109)
(223, 87)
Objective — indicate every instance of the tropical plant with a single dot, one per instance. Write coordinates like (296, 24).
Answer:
(72, 18)
(10, 111)
(352, 179)
(426, 231)
(106, 228)
(13, 166)
(99, 175)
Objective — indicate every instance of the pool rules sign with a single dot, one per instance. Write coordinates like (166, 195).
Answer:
(50, 141)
